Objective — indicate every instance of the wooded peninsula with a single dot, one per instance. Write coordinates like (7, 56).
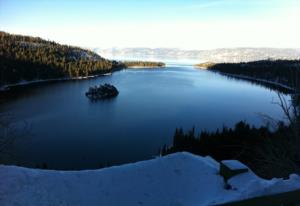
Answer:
(25, 58)
(280, 72)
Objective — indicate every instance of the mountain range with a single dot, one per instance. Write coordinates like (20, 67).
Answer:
(215, 55)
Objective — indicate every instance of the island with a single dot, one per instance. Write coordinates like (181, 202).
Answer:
(104, 91)
(142, 64)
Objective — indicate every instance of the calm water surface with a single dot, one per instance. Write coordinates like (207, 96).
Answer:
(68, 131)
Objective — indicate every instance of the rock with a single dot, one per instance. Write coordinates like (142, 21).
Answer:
(231, 168)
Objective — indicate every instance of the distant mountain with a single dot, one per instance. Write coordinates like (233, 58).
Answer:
(215, 55)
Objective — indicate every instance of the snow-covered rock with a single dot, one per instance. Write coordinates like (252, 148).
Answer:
(234, 164)
(177, 179)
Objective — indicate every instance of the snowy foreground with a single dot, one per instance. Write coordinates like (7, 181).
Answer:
(177, 179)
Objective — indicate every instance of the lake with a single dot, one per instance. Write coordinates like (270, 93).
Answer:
(68, 131)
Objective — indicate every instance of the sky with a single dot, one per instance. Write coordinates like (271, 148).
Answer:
(184, 24)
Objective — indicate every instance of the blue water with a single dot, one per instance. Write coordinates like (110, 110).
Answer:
(68, 131)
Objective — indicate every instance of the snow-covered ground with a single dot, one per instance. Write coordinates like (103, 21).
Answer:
(177, 179)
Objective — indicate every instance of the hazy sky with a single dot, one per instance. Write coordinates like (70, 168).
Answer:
(187, 24)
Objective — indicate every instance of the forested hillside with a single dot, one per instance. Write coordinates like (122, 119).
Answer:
(31, 58)
(28, 58)
(285, 72)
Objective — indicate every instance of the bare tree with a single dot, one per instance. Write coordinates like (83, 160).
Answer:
(280, 156)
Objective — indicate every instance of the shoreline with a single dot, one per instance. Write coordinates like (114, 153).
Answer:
(252, 79)
(237, 76)
(7, 87)
(258, 80)
(144, 67)
(24, 83)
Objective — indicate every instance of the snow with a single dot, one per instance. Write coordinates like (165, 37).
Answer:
(255, 186)
(234, 164)
(177, 179)
(31, 44)
(87, 55)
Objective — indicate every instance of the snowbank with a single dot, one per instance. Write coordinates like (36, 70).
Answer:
(177, 179)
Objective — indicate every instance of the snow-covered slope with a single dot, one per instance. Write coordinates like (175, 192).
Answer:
(177, 179)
